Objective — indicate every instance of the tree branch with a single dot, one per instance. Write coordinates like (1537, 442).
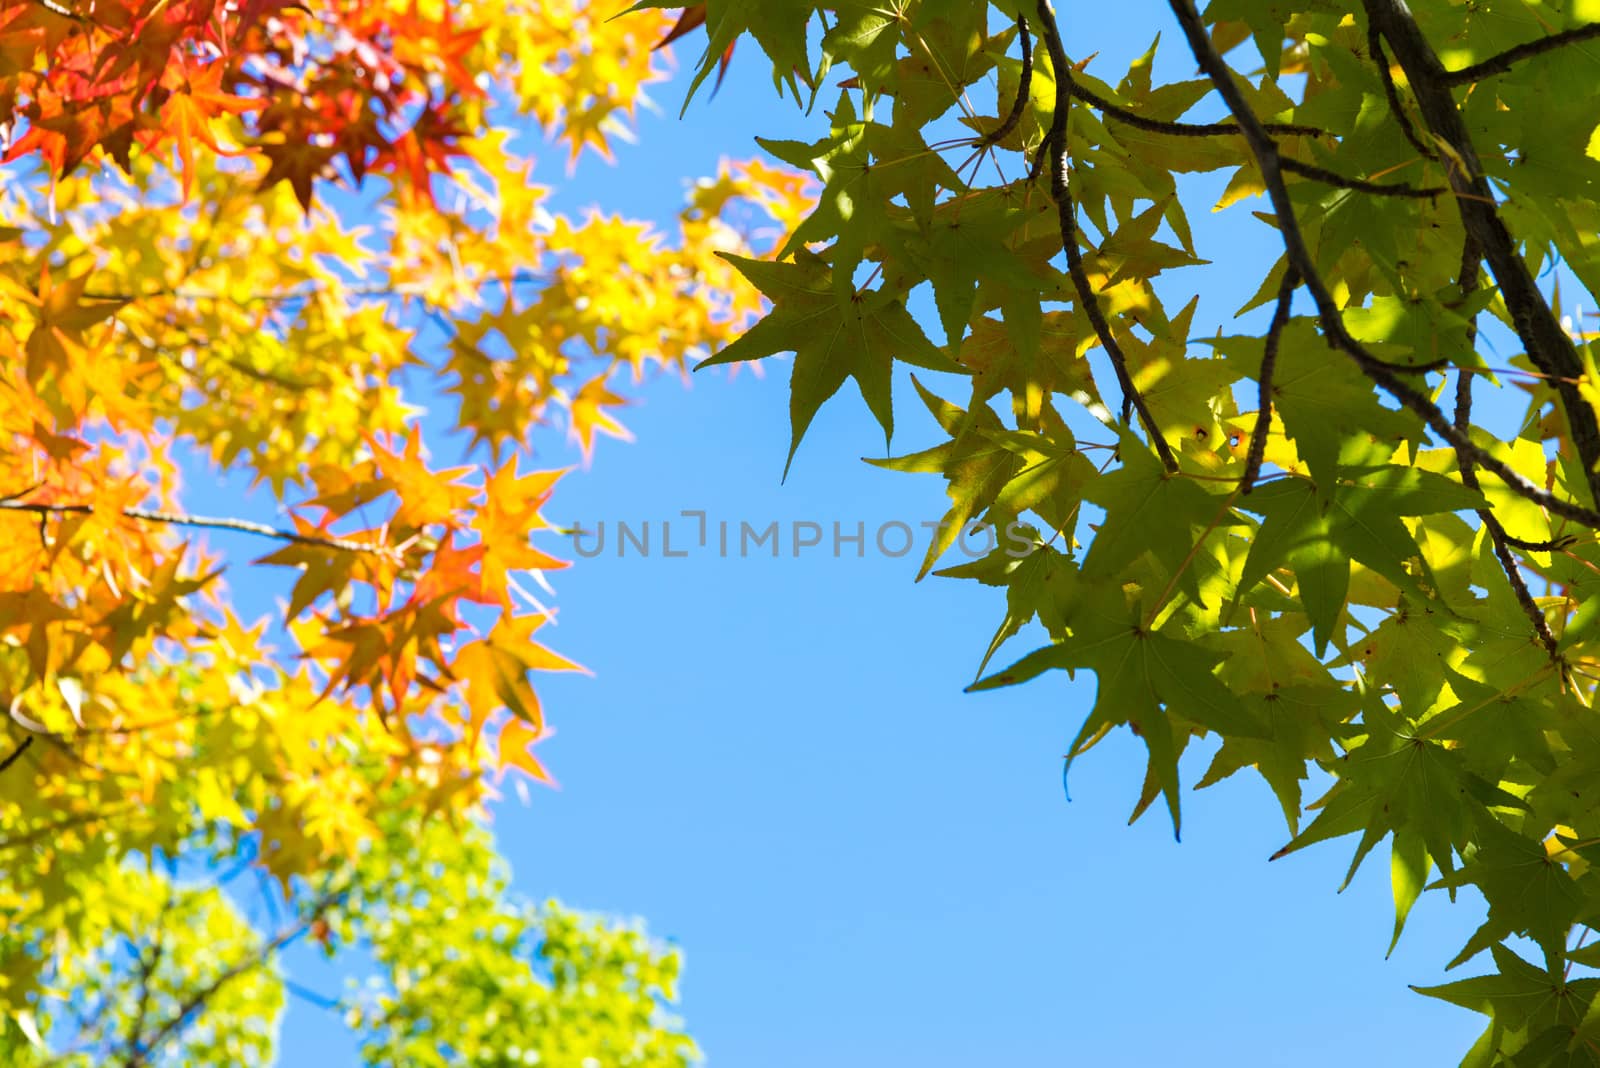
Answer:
(147, 965)
(179, 519)
(16, 754)
(1269, 361)
(1503, 62)
(1382, 189)
(1266, 153)
(1547, 344)
(1175, 129)
(1024, 91)
(1055, 146)
(1392, 91)
(1469, 475)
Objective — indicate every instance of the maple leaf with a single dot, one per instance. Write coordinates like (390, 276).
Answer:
(588, 414)
(495, 669)
(858, 337)
(426, 496)
(505, 523)
(197, 99)
(1161, 683)
(61, 315)
(437, 46)
(516, 740)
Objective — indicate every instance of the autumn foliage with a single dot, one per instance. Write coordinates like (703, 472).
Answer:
(300, 244)
(1348, 528)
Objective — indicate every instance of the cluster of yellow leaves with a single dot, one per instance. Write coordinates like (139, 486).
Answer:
(153, 322)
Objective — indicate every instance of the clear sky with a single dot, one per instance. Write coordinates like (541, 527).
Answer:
(776, 766)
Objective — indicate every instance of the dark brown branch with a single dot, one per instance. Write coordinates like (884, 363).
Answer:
(1179, 129)
(1549, 545)
(179, 519)
(1055, 146)
(1333, 328)
(1413, 368)
(1547, 343)
(16, 754)
(1469, 475)
(1382, 189)
(1269, 361)
(1024, 91)
(1504, 61)
(1392, 91)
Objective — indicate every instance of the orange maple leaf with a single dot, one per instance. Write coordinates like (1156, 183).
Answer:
(515, 742)
(588, 414)
(510, 514)
(426, 496)
(197, 100)
(61, 317)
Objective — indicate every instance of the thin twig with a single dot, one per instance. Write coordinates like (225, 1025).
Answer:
(1392, 91)
(312, 997)
(1382, 189)
(308, 290)
(1470, 262)
(1179, 129)
(1055, 146)
(1548, 545)
(147, 965)
(179, 519)
(1269, 362)
(1503, 62)
(16, 754)
(1024, 90)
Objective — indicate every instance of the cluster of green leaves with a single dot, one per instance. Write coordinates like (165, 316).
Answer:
(1305, 546)
(180, 961)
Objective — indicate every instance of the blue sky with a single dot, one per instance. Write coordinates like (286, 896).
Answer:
(775, 764)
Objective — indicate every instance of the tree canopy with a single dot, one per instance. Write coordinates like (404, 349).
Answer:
(1302, 540)
(1344, 534)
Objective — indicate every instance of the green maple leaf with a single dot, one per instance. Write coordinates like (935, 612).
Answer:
(1036, 586)
(976, 466)
(865, 168)
(1299, 723)
(833, 339)
(1324, 401)
(1400, 780)
(1149, 508)
(951, 51)
(1523, 1001)
(969, 239)
(866, 38)
(1163, 686)
(1529, 892)
(779, 27)
(1317, 538)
